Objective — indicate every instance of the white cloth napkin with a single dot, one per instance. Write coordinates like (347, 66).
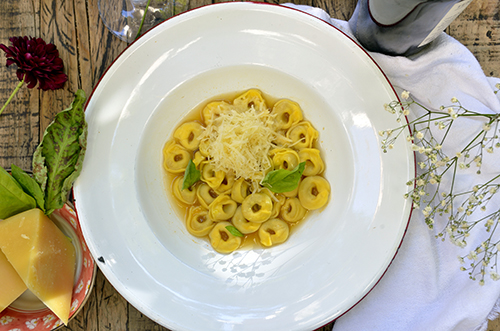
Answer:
(424, 288)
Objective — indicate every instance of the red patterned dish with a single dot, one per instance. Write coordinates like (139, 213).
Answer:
(28, 313)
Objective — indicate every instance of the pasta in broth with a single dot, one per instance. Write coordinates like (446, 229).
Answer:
(245, 171)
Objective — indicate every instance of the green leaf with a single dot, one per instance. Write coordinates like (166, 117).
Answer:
(14, 200)
(191, 175)
(29, 185)
(234, 231)
(281, 180)
(58, 159)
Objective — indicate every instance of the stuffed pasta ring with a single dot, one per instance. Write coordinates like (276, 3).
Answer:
(222, 240)
(273, 232)
(175, 158)
(197, 222)
(314, 192)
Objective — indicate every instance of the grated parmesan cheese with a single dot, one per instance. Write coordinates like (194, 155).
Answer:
(240, 141)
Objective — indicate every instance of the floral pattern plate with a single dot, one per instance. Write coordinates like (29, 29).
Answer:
(29, 313)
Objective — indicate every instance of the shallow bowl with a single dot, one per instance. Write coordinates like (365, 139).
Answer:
(332, 261)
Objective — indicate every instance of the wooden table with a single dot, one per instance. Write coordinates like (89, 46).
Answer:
(88, 48)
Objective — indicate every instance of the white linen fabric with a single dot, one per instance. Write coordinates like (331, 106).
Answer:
(424, 288)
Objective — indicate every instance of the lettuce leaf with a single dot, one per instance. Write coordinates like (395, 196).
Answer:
(13, 199)
(58, 159)
(29, 185)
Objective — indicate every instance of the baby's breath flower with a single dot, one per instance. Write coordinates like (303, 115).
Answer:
(436, 171)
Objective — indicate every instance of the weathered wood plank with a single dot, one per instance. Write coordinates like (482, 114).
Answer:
(478, 28)
(57, 25)
(339, 9)
(85, 79)
(138, 321)
(111, 306)
(88, 48)
(19, 129)
(104, 46)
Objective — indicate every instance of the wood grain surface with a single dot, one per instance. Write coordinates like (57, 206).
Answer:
(88, 48)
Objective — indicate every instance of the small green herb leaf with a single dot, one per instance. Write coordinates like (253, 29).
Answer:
(234, 231)
(29, 185)
(58, 159)
(281, 180)
(13, 199)
(191, 175)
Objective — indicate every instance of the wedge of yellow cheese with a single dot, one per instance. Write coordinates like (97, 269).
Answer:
(11, 285)
(43, 257)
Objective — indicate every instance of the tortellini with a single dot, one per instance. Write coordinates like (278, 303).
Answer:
(273, 232)
(222, 208)
(175, 158)
(242, 224)
(285, 158)
(240, 190)
(198, 223)
(213, 110)
(313, 160)
(206, 195)
(233, 212)
(303, 134)
(187, 135)
(211, 176)
(257, 207)
(187, 196)
(252, 98)
(222, 240)
(292, 210)
(314, 192)
(287, 113)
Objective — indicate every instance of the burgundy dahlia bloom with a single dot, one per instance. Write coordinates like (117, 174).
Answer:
(37, 62)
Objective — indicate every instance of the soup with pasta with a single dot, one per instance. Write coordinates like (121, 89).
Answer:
(246, 169)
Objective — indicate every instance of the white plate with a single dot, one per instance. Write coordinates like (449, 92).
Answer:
(336, 256)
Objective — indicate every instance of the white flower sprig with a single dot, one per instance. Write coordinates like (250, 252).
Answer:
(462, 210)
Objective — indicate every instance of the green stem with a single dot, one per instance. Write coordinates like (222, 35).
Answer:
(142, 20)
(12, 95)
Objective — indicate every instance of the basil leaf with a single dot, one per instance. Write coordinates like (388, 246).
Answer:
(14, 200)
(29, 185)
(58, 159)
(191, 175)
(234, 231)
(281, 180)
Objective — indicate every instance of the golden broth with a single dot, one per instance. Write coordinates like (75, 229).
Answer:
(249, 241)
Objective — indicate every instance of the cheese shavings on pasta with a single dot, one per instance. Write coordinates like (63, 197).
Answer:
(240, 141)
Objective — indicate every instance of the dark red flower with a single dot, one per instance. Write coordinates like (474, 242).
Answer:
(37, 62)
